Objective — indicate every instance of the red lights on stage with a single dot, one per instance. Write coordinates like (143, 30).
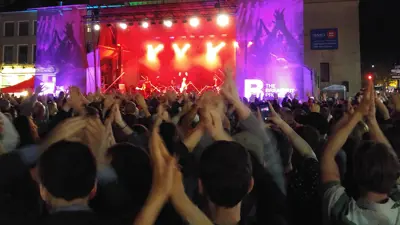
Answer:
(369, 77)
(167, 23)
(194, 22)
(123, 26)
(223, 20)
(145, 24)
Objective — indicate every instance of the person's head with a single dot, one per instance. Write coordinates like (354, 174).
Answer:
(130, 108)
(171, 96)
(67, 174)
(52, 106)
(133, 166)
(39, 111)
(27, 130)
(225, 174)
(4, 105)
(376, 168)
(311, 136)
(169, 134)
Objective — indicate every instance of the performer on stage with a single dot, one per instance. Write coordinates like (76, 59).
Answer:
(183, 85)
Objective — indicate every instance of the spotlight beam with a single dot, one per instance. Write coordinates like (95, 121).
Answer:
(180, 52)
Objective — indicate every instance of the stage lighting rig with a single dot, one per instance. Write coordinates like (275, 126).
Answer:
(123, 26)
(194, 22)
(145, 24)
(167, 23)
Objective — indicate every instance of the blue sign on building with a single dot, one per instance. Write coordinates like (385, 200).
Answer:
(324, 39)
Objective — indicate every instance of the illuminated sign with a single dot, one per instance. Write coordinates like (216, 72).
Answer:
(255, 87)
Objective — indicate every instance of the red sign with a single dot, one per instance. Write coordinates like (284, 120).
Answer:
(331, 34)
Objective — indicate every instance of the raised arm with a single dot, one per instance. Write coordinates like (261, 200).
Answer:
(270, 156)
(375, 131)
(298, 142)
(329, 168)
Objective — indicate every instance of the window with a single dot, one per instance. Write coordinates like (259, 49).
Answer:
(33, 53)
(325, 72)
(8, 54)
(23, 28)
(23, 54)
(34, 27)
(8, 29)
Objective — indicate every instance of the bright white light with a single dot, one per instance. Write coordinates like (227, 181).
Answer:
(145, 24)
(152, 53)
(250, 44)
(168, 23)
(180, 52)
(96, 27)
(235, 44)
(223, 20)
(194, 22)
(123, 26)
(212, 52)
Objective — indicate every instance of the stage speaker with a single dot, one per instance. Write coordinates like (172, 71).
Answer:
(346, 84)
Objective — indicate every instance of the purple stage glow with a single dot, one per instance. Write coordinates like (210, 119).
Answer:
(269, 57)
(60, 44)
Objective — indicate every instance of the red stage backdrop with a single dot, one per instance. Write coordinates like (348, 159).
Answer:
(167, 68)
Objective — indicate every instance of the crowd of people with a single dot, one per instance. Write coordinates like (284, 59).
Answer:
(116, 158)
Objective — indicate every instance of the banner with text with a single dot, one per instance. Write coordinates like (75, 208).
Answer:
(270, 48)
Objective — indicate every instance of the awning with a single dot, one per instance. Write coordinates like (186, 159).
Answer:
(20, 87)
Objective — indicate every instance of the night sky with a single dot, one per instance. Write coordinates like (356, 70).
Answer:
(380, 34)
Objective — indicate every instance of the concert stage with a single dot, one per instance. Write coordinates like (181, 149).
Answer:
(153, 48)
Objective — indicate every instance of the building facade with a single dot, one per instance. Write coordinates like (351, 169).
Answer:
(338, 61)
(18, 37)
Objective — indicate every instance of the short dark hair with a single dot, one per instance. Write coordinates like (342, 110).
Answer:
(376, 167)
(226, 173)
(68, 170)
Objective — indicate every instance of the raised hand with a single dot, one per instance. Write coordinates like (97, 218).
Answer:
(368, 100)
(39, 89)
(274, 116)
(164, 166)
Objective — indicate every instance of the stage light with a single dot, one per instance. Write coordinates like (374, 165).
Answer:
(123, 26)
(249, 44)
(235, 44)
(180, 53)
(145, 24)
(213, 51)
(96, 27)
(223, 20)
(194, 22)
(370, 77)
(153, 52)
(168, 23)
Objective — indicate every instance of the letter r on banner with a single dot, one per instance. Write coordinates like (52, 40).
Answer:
(253, 87)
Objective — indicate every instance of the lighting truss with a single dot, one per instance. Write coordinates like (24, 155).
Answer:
(158, 12)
